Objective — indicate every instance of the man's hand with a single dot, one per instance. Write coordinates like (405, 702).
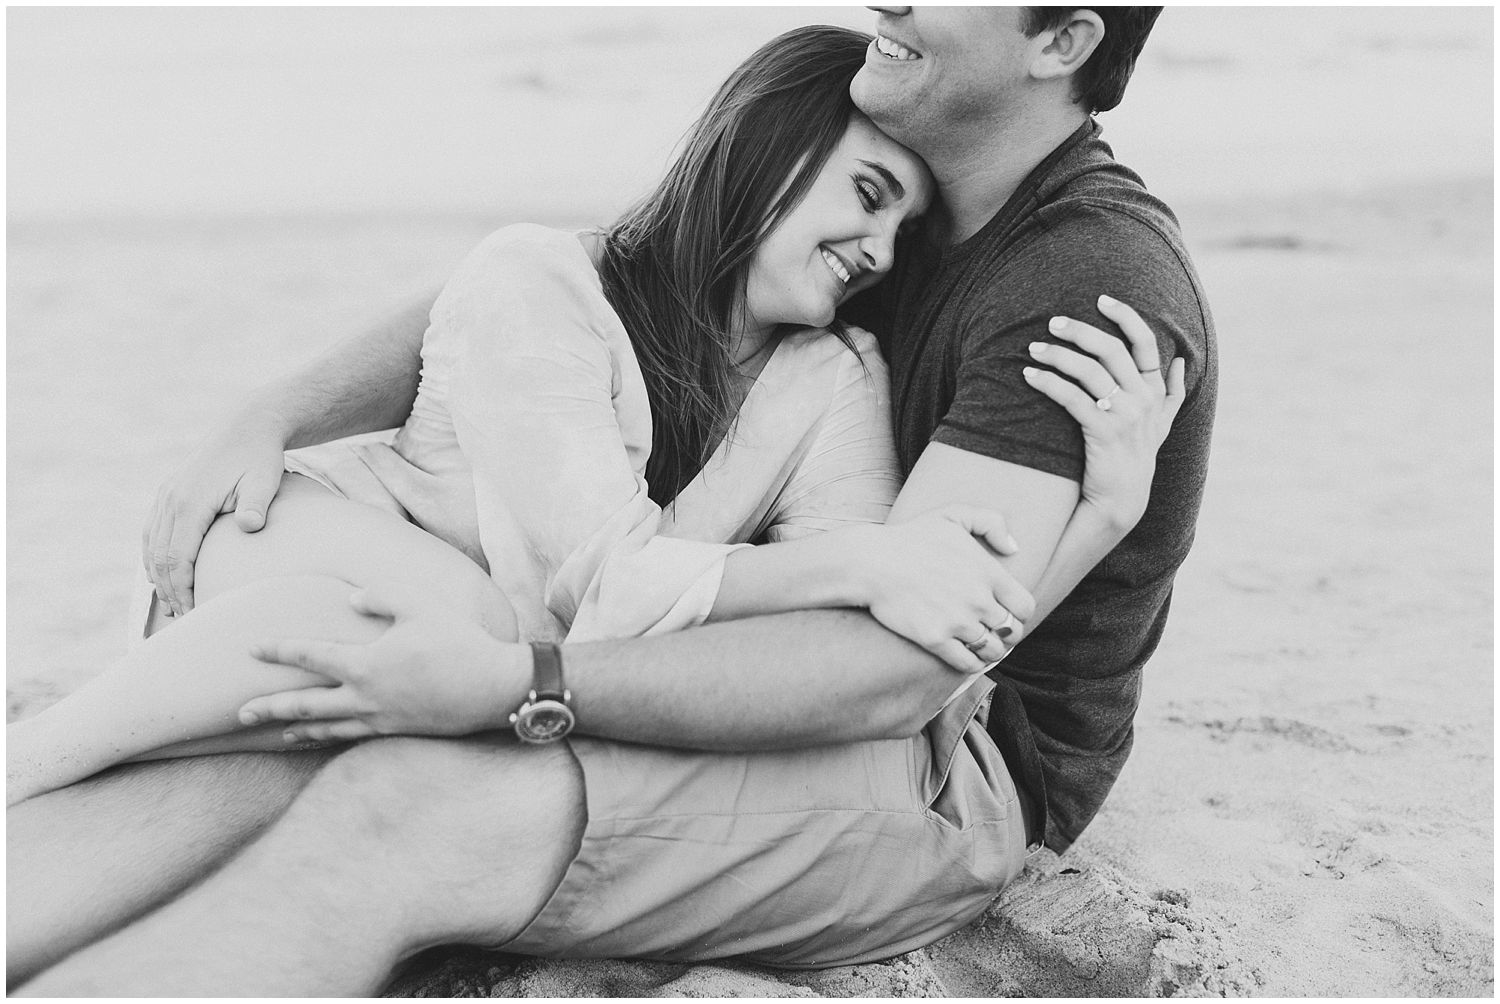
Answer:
(443, 507)
(431, 673)
(236, 470)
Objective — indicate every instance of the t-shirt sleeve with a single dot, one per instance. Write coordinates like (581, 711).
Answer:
(849, 473)
(1092, 251)
(533, 405)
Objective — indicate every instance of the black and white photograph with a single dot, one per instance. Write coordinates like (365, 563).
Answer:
(750, 501)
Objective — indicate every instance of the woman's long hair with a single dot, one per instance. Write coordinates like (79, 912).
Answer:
(675, 266)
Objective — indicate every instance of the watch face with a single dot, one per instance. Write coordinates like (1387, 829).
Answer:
(544, 721)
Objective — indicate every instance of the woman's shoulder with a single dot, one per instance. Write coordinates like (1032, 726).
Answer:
(857, 349)
(525, 285)
(534, 246)
(527, 265)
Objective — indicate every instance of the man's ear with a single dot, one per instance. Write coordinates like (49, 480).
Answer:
(1066, 49)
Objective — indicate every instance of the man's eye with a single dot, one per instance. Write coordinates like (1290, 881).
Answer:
(869, 194)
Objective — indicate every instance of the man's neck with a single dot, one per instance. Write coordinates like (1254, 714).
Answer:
(976, 179)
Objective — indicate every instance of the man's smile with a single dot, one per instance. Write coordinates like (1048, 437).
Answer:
(892, 49)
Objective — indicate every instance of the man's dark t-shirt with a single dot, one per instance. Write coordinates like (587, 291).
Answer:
(955, 324)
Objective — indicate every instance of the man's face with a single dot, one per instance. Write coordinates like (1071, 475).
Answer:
(931, 70)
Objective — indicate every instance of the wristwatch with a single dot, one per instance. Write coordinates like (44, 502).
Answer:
(546, 715)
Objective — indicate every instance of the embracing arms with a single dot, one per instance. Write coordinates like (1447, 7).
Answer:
(788, 680)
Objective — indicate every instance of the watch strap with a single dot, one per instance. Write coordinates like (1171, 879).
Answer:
(546, 671)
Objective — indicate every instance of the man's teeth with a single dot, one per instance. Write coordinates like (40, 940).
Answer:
(837, 266)
(893, 50)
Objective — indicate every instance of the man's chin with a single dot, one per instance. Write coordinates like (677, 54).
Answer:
(880, 102)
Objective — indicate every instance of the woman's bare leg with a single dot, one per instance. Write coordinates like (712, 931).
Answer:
(183, 687)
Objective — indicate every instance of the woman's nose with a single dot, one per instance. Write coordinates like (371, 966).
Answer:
(878, 251)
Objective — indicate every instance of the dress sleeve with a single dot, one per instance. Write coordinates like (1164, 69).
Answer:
(849, 473)
(561, 498)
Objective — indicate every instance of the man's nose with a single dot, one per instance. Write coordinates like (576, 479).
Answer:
(892, 11)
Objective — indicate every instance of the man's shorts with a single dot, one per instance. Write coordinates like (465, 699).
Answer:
(803, 859)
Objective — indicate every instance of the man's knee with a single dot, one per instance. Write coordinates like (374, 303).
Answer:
(418, 788)
(470, 837)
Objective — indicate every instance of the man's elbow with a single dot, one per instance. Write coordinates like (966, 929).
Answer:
(903, 712)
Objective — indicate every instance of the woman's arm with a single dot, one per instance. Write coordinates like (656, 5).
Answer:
(1120, 442)
(929, 579)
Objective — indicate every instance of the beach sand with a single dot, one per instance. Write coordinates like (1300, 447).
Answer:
(1309, 806)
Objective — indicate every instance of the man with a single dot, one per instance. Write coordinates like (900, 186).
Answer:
(874, 817)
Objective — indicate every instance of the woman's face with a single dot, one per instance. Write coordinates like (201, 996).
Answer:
(841, 237)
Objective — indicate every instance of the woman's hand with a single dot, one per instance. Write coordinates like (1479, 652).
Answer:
(936, 581)
(1121, 400)
(236, 470)
(431, 673)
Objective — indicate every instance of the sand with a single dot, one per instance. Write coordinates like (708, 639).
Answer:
(1309, 807)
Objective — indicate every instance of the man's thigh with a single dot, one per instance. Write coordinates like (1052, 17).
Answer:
(808, 858)
(86, 859)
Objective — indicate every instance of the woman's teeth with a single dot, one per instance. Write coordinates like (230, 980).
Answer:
(893, 50)
(837, 266)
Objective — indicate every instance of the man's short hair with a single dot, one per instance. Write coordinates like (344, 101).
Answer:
(1100, 83)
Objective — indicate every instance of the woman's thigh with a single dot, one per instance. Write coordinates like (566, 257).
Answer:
(311, 531)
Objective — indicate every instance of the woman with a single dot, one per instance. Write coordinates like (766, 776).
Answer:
(629, 411)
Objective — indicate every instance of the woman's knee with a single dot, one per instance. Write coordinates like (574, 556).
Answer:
(311, 532)
(229, 557)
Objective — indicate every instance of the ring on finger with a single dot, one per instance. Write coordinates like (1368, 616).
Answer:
(993, 652)
(978, 643)
(1104, 403)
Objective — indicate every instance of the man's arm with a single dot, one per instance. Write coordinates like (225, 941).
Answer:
(363, 384)
(780, 682)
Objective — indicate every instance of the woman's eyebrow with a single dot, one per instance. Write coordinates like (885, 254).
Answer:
(891, 182)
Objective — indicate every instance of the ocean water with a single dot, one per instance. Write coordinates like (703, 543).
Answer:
(505, 110)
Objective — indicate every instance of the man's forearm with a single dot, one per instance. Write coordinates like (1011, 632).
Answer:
(363, 384)
(790, 680)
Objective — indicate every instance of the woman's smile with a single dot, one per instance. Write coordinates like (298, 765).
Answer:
(837, 266)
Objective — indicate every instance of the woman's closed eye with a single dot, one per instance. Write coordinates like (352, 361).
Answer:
(869, 194)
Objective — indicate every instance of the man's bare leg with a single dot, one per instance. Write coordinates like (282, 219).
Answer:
(87, 859)
(396, 845)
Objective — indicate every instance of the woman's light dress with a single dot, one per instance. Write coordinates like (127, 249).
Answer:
(531, 394)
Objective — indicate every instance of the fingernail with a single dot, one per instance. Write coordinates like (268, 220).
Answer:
(1107, 301)
(1037, 348)
(1004, 632)
(1011, 543)
(248, 718)
(1028, 372)
(1057, 324)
